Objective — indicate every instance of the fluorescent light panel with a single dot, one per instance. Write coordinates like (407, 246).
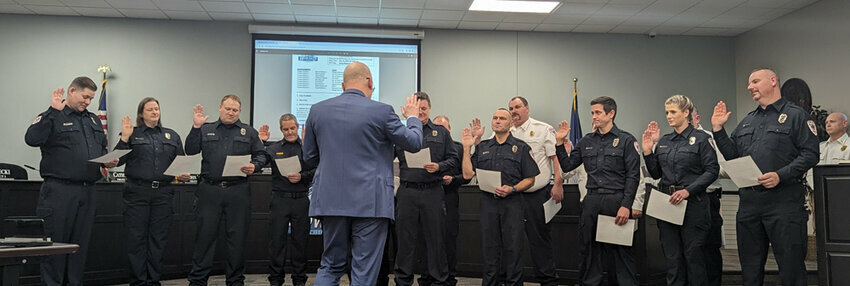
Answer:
(514, 6)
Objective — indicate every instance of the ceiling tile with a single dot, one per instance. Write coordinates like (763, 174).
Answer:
(531, 18)
(398, 22)
(586, 1)
(516, 26)
(87, 3)
(229, 7)
(315, 19)
(412, 4)
(745, 12)
(620, 9)
(721, 3)
(357, 3)
(268, 1)
(472, 25)
(765, 3)
(687, 20)
(554, 28)
(666, 8)
(752, 24)
(631, 29)
(313, 2)
(269, 8)
(274, 17)
(357, 20)
(187, 15)
(636, 2)
(579, 8)
(701, 31)
(442, 15)
(132, 4)
(230, 16)
(144, 14)
(393, 13)
(671, 30)
(776, 13)
(448, 4)
(646, 20)
(357, 12)
(40, 2)
(721, 22)
(604, 20)
(8, 2)
(438, 24)
(98, 12)
(796, 4)
(593, 28)
(479, 16)
(179, 5)
(570, 19)
(313, 10)
(52, 10)
(14, 9)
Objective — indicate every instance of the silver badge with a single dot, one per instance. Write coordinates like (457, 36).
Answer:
(167, 135)
(514, 148)
(692, 140)
(782, 118)
(617, 142)
(434, 133)
(92, 120)
(242, 131)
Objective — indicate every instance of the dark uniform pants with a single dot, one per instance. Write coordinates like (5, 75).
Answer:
(420, 207)
(683, 245)
(147, 218)
(288, 211)
(595, 253)
(501, 232)
(451, 201)
(773, 217)
(68, 212)
(539, 237)
(214, 204)
(714, 241)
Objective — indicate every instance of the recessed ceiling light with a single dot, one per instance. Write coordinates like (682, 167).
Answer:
(514, 6)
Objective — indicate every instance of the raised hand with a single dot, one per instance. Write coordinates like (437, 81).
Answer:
(199, 118)
(411, 106)
(126, 129)
(264, 133)
(56, 99)
(466, 138)
(720, 116)
(562, 133)
(656, 133)
(649, 137)
(476, 128)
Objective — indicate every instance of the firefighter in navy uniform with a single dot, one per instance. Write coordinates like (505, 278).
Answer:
(68, 136)
(610, 157)
(782, 141)
(148, 194)
(419, 201)
(686, 164)
(222, 199)
(501, 211)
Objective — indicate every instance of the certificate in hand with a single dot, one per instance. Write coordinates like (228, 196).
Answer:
(288, 165)
(488, 180)
(743, 171)
(418, 159)
(659, 207)
(233, 166)
(111, 156)
(550, 209)
(609, 232)
(182, 165)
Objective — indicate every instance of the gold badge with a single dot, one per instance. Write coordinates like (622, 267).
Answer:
(616, 142)
(167, 135)
(242, 131)
(279, 153)
(434, 133)
(514, 148)
(782, 118)
(843, 147)
(531, 133)
(692, 140)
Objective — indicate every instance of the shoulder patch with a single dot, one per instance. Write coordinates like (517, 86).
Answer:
(812, 127)
(37, 119)
(637, 147)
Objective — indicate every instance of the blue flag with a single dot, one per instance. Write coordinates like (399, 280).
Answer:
(575, 124)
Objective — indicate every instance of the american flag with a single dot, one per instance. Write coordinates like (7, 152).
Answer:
(101, 109)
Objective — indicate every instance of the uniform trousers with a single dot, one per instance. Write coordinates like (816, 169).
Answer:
(67, 209)
(772, 217)
(452, 202)
(714, 241)
(501, 232)
(596, 254)
(289, 230)
(216, 204)
(683, 245)
(420, 211)
(539, 236)
(147, 219)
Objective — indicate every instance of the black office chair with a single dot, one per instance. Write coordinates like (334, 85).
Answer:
(12, 172)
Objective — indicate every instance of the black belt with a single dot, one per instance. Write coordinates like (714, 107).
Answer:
(672, 188)
(603, 191)
(294, 195)
(416, 185)
(69, 182)
(151, 184)
(758, 188)
(223, 183)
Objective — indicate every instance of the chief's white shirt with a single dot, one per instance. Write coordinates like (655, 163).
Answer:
(541, 137)
(836, 151)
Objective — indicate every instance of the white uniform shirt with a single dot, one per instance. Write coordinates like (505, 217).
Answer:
(541, 137)
(836, 151)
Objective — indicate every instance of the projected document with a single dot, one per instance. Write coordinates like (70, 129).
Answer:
(319, 77)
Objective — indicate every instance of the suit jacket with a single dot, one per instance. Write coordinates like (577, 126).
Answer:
(352, 138)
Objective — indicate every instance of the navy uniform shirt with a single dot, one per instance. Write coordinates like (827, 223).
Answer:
(684, 159)
(68, 139)
(153, 151)
(218, 140)
(438, 139)
(612, 161)
(512, 158)
(456, 173)
(285, 149)
(780, 138)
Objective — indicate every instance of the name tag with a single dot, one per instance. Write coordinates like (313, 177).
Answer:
(67, 123)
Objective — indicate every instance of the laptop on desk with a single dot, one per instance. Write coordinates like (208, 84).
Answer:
(23, 232)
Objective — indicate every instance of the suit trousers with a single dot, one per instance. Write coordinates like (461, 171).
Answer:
(363, 238)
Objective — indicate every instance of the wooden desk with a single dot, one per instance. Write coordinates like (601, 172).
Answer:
(13, 258)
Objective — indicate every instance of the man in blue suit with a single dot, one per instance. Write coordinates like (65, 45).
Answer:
(352, 137)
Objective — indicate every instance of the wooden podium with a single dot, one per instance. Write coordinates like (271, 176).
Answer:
(832, 196)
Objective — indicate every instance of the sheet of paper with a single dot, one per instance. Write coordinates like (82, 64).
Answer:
(111, 156)
(233, 166)
(288, 165)
(609, 232)
(743, 171)
(418, 159)
(488, 180)
(659, 207)
(550, 209)
(182, 165)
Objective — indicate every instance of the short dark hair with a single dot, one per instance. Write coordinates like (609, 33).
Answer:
(608, 104)
(233, 97)
(82, 83)
(141, 121)
(524, 102)
(796, 91)
(287, 117)
(423, 96)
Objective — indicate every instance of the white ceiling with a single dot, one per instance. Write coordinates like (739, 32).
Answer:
(664, 17)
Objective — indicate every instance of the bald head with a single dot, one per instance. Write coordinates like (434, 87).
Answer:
(764, 86)
(836, 125)
(357, 76)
